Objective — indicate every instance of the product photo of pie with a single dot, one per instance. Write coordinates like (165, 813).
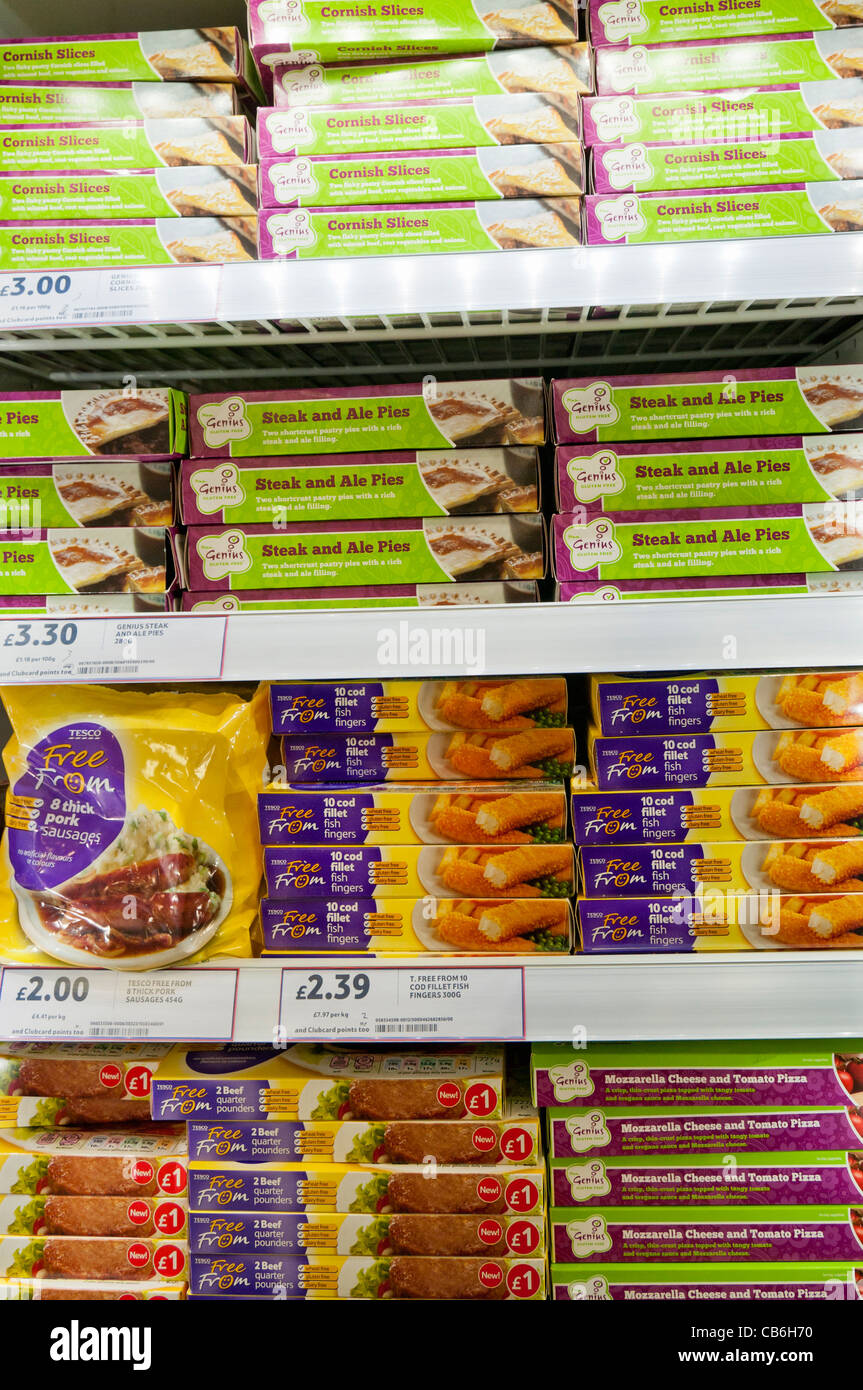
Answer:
(221, 195)
(836, 114)
(476, 420)
(530, 23)
(843, 217)
(554, 173)
(844, 13)
(838, 535)
(838, 465)
(845, 62)
(213, 241)
(545, 126)
(836, 398)
(847, 163)
(206, 53)
(92, 565)
(161, 101)
(465, 551)
(458, 484)
(536, 224)
(206, 141)
(560, 74)
(117, 422)
(92, 497)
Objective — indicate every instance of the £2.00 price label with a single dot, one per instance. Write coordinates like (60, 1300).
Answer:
(387, 1002)
(70, 1004)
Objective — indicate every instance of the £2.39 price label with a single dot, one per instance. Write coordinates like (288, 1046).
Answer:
(71, 1004)
(476, 1002)
(172, 647)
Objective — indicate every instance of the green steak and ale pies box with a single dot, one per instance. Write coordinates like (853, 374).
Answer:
(803, 209)
(788, 159)
(357, 552)
(703, 405)
(761, 113)
(777, 539)
(47, 103)
(126, 144)
(85, 493)
(360, 486)
(143, 423)
(373, 596)
(428, 125)
(631, 22)
(561, 75)
(707, 473)
(718, 63)
(140, 241)
(328, 420)
(189, 192)
(420, 229)
(122, 560)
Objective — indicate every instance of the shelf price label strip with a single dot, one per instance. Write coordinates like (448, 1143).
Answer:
(122, 649)
(72, 1004)
(407, 1002)
(88, 298)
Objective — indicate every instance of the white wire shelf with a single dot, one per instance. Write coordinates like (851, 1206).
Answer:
(682, 635)
(755, 995)
(809, 292)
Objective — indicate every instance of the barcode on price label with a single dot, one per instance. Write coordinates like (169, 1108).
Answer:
(477, 1003)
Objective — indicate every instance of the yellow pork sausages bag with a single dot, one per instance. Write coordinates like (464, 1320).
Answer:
(131, 836)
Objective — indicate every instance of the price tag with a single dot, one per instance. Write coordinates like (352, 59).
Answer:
(401, 1003)
(80, 297)
(71, 1004)
(117, 649)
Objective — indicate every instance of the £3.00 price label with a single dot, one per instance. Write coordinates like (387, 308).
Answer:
(173, 647)
(72, 1004)
(124, 295)
(476, 1002)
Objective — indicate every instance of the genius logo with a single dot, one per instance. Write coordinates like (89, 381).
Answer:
(627, 167)
(591, 545)
(620, 19)
(597, 476)
(224, 421)
(619, 218)
(224, 554)
(590, 406)
(287, 129)
(276, 15)
(217, 488)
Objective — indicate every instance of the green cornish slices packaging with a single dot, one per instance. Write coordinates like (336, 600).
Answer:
(822, 157)
(630, 22)
(777, 539)
(758, 113)
(46, 103)
(357, 552)
(143, 423)
(718, 63)
(445, 125)
(423, 176)
(127, 144)
(416, 415)
(681, 405)
(810, 209)
(707, 473)
(422, 229)
(561, 75)
(165, 55)
(360, 486)
(185, 192)
(139, 241)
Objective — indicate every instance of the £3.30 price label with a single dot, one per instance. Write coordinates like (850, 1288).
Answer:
(388, 1002)
(170, 647)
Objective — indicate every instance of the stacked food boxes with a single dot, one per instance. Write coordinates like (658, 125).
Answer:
(704, 1171)
(371, 150)
(92, 1194)
(304, 497)
(333, 1172)
(126, 149)
(718, 122)
(360, 855)
(709, 483)
(86, 499)
(725, 813)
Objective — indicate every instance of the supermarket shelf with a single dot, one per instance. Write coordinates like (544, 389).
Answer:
(682, 635)
(792, 280)
(578, 998)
